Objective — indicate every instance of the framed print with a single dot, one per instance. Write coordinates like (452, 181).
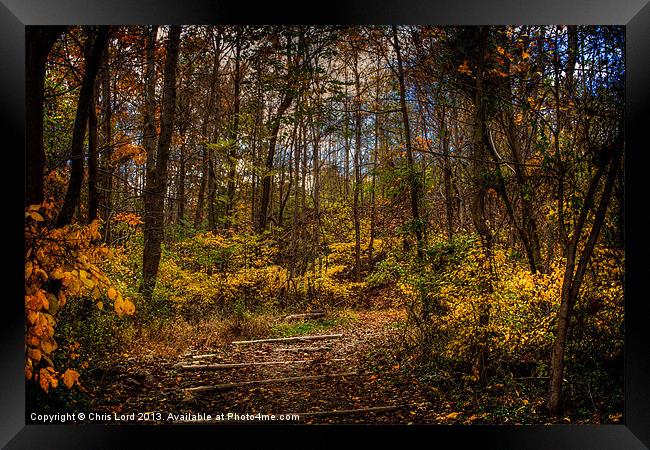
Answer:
(396, 221)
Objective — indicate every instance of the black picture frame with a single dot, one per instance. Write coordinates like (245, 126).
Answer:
(634, 433)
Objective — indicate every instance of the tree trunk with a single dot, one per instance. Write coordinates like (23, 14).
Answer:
(413, 181)
(478, 207)
(373, 195)
(266, 181)
(93, 54)
(93, 158)
(444, 132)
(184, 105)
(106, 200)
(154, 201)
(294, 225)
(198, 214)
(212, 173)
(235, 129)
(357, 169)
(573, 276)
(315, 189)
(523, 230)
(287, 99)
(205, 155)
(527, 194)
(212, 190)
(180, 216)
(285, 198)
(149, 139)
(39, 42)
(259, 119)
(346, 131)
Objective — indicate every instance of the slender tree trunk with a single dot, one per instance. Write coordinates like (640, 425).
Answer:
(93, 158)
(357, 169)
(447, 175)
(254, 178)
(212, 158)
(266, 180)
(170, 205)
(205, 154)
(107, 147)
(235, 127)
(373, 194)
(149, 137)
(200, 199)
(500, 186)
(212, 188)
(316, 195)
(39, 42)
(346, 130)
(303, 203)
(94, 49)
(154, 202)
(573, 275)
(184, 105)
(478, 207)
(528, 230)
(294, 227)
(303, 183)
(281, 184)
(287, 99)
(414, 185)
(181, 186)
(292, 170)
(259, 119)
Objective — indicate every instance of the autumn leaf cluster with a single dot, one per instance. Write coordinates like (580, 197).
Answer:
(61, 265)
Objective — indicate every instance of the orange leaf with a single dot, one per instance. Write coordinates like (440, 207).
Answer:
(128, 307)
(70, 377)
(34, 354)
(36, 216)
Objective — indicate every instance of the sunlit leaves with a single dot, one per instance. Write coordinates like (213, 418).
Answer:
(34, 215)
(129, 152)
(464, 68)
(130, 219)
(70, 377)
(60, 264)
(123, 306)
(46, 378)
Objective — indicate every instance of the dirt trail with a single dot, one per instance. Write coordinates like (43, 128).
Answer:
(154, 384)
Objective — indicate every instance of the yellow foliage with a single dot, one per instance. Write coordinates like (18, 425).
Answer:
(70, 255)
(221, 270)
(522, 306)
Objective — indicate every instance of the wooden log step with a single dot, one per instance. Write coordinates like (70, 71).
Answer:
(312, 315)
(375, 409)
(207, 355)
(303, 349)
(287, 339)
(247, 364)
(268, 381)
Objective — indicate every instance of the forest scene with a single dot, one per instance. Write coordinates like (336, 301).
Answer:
(327, 224)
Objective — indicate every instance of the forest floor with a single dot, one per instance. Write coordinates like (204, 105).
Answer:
(146, 381)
